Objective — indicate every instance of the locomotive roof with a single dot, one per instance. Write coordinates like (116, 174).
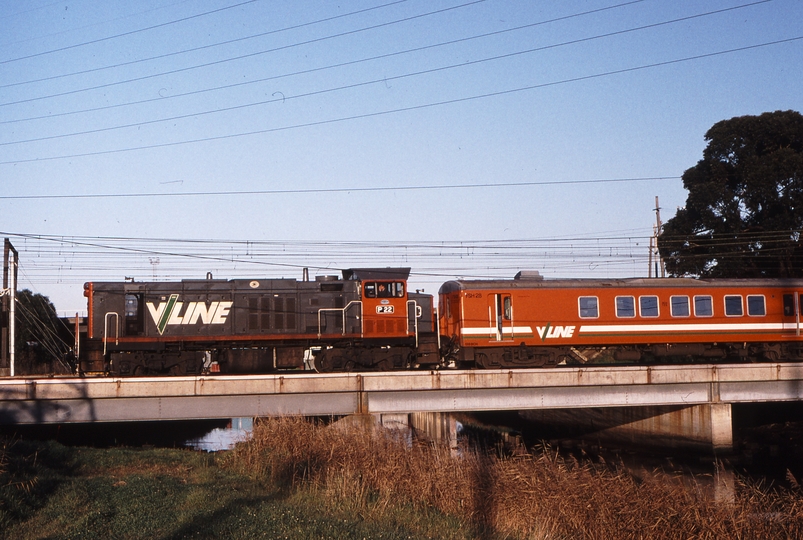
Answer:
(475, 284)
(362, 274)
(356, 274)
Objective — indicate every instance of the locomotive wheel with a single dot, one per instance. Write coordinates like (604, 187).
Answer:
(321, 363)
(386, 364)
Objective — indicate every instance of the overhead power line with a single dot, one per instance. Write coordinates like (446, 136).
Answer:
(108, 38)
(384, 80)
(205, 47)
(242, 57)
(311, 70)
(410, 108)
(334, 190)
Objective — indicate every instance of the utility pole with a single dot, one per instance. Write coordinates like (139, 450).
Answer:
(8, 316)
(654, 243)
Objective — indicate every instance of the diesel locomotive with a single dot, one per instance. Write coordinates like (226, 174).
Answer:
(367, 319)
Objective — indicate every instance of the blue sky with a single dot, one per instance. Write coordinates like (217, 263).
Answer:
(321, 111)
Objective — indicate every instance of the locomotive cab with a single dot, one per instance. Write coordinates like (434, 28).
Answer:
(386, 310)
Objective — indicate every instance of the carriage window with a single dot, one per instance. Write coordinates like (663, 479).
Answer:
(703, 306)
(369, 289)
(679, 306)
(648, 306)
(788, 305)
(755, 306)
(589, 307)
(507, 309)
(398, 290)
(733, 306)
(625, 306)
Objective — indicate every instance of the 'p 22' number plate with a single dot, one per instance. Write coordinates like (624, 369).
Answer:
(384, 309)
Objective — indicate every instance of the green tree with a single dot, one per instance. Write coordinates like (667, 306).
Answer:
(37, 340)
(744, 212)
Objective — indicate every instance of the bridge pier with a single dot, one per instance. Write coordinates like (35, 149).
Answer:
(435, 426)
(706, 427)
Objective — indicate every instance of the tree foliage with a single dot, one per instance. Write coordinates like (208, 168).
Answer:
(37, 325)
(744, 212)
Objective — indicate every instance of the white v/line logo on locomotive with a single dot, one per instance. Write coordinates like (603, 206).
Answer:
(169, 313)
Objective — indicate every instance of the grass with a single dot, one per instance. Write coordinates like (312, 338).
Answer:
(305, 479)
(51, 491)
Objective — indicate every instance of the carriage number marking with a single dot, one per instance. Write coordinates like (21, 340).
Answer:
(384, 309)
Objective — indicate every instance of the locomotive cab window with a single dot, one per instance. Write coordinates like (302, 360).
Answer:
(703, 306)
(625, 306)
(589, 307)
(648, 306)
(679, 306)
(733, 305)
(384, 289)
(755, 305)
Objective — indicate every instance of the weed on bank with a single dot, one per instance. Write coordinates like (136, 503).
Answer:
(307, 479)
(538, 495)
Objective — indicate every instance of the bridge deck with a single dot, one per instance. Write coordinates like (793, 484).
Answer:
(61, 400)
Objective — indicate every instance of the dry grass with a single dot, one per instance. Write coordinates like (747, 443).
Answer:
(539, 495)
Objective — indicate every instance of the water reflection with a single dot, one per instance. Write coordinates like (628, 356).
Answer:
(238, 430)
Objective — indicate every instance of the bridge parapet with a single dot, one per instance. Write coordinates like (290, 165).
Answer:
(57, 400)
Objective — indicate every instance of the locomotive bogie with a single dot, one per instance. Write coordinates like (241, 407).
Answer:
(156, 363)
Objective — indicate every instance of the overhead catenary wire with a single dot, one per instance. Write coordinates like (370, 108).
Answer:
(97, 256)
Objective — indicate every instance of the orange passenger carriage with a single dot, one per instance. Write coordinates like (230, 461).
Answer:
(530, 321)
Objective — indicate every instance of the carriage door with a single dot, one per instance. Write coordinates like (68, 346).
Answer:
(503, 311)
(791, 308)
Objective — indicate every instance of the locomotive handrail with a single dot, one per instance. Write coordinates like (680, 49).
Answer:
(415, 318)
(343, 311)
(106, 329)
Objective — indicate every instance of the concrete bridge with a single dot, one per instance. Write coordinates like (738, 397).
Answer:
(675, 402)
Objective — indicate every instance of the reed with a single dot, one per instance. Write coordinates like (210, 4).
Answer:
(535, 495)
